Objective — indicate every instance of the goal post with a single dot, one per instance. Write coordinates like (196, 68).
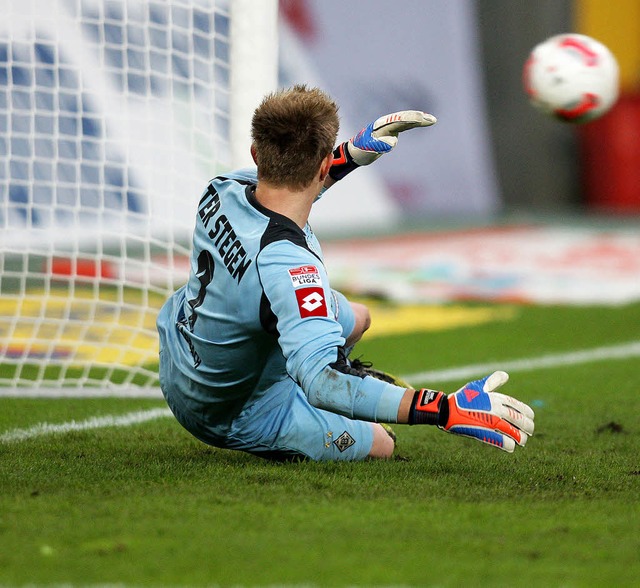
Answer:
(249, 81)
(113, 114)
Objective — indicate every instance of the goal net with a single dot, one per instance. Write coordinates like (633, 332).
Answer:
(114, 114)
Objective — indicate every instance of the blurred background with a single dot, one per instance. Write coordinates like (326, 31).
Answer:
(491, 154)
(115, 114)
(116, 111)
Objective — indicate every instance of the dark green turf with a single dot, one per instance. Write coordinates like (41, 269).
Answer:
(148, 505)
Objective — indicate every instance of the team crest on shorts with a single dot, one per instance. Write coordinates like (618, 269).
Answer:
(344, 441)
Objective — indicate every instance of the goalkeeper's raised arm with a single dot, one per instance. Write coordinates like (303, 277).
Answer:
(376, 139)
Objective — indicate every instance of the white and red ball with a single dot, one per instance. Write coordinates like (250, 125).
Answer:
(572, 77)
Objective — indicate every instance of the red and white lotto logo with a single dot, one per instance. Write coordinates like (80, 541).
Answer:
(311, 302)
(305, 275)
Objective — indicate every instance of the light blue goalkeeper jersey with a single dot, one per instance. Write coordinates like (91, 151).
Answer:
(258, 310)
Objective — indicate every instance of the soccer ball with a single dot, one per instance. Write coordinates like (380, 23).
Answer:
(572, 77)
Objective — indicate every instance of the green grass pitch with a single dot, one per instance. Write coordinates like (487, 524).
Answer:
(147, 505)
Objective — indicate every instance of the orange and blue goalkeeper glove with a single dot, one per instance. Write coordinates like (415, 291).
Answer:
(378, 138)
(476, 411)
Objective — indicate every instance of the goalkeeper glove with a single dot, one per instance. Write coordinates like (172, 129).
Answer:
(476, 411)
(374, 140)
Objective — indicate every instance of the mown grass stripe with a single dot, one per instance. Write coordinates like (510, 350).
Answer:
(605, 353)
(125, 420)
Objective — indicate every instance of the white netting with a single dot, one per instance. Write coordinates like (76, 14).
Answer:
(113, 116)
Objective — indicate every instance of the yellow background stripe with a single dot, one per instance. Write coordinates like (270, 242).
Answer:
(616, 23)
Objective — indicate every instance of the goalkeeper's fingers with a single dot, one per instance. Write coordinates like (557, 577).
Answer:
(490, 428)
(387, 127)
(510, 409)
(513, 412)
(493, 381)
(377, 138)
(503, 423)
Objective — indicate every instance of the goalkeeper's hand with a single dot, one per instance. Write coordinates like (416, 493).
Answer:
(477, 411)
(377, 138)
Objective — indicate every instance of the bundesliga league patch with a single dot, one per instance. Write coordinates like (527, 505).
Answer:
(307, 285)
(305, 275)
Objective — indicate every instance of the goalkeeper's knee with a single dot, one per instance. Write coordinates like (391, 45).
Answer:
(383, 443)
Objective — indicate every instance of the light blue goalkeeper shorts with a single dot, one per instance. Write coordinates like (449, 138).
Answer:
(276, 423)
(279, 424)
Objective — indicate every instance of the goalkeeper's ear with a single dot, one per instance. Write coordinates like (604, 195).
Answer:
(325, 167)
(254, 154)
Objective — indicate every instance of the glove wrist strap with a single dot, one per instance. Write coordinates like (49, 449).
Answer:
(343, 163)
(425, 407)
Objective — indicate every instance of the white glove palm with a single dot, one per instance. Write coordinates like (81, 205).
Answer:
(376, 139)
(381, 136)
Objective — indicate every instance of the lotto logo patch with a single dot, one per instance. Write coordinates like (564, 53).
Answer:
(305, 275)
(311, 302)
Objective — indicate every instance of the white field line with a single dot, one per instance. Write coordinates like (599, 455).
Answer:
(612, 352)
(125, 420)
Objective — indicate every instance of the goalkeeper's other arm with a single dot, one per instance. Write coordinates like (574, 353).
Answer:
(475, 411)
(376, 139)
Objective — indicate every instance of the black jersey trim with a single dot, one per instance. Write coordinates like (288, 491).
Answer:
(276, 219)
(280, 228)
(237, 180)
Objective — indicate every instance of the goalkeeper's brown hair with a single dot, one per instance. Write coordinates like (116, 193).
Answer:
(293, 130)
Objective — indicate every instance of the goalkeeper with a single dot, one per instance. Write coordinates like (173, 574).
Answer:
(254, 349)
